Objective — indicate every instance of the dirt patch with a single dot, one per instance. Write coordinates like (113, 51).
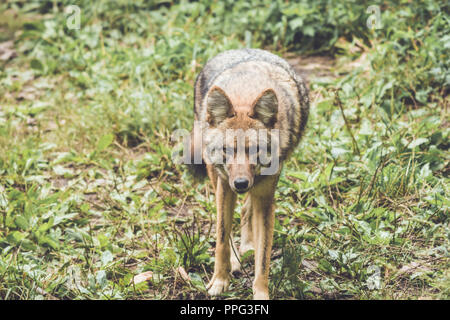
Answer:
(313, 67)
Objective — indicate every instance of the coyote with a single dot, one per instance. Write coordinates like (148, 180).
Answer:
(247, 90)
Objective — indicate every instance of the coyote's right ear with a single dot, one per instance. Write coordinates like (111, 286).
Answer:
(219, 107)
(265, 108)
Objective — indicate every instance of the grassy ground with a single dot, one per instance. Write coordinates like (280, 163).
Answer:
(89, 196)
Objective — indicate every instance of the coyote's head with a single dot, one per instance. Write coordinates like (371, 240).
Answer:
(241, 140)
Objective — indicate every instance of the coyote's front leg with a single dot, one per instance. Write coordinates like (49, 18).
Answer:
(225, 200)
(246, 226)
(263, 221)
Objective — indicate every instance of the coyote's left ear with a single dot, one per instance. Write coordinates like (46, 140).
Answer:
(265, 108)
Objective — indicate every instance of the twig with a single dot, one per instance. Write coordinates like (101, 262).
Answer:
(347, 124)
(238, 258)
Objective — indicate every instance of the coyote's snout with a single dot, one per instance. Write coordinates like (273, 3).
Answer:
(252, 109)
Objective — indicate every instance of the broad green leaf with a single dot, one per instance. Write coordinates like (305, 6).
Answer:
(105, 142)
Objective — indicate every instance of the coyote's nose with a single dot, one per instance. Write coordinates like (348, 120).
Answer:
(241, 184)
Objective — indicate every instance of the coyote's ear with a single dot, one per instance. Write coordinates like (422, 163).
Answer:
(265, 108)
(219, 107)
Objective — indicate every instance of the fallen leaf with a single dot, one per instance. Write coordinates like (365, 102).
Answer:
(145, 276)
(414, 266)
(184, 275)
(311, 265)
(28, 93)
(7, 50)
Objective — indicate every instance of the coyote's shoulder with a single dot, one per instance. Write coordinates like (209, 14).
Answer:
(243, 74)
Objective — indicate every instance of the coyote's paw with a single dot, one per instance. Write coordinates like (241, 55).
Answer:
(217, 285)
(261, 295)
(235, 264)
(247, 246)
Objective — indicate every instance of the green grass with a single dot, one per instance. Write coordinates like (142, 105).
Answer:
(89, 196)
